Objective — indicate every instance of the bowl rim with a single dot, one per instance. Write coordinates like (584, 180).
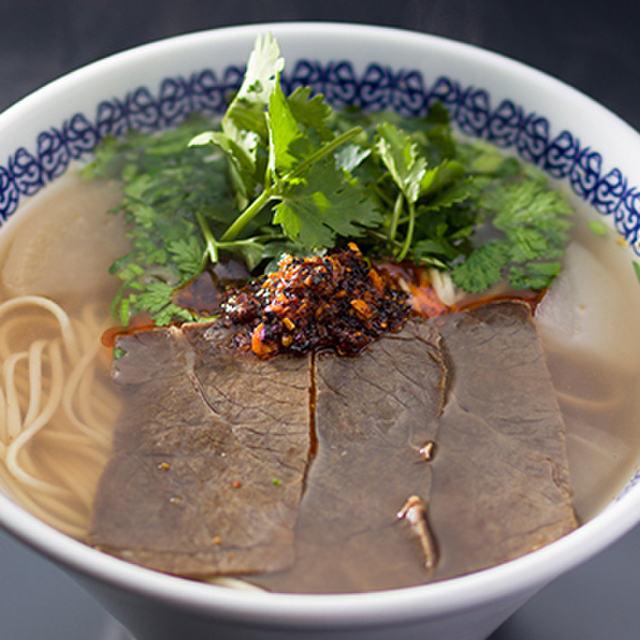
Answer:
(325, 610)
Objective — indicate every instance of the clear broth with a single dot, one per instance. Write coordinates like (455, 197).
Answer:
(586, 323)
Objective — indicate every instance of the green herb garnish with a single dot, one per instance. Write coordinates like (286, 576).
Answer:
(598, 227)
(636, 269)
(285, 173)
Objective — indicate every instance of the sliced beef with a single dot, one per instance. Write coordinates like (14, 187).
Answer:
(496, 488)
(228, 464)
(209, 455)
(373, 415)
(500, 485)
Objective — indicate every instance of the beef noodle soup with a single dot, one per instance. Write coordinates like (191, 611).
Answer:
(59, 405)
(314, 351)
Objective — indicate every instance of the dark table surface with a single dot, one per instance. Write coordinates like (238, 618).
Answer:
(591, 45)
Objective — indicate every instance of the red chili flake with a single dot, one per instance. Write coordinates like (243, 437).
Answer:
(258, 344)
(361, 308)
(376, 280)
(337, 300)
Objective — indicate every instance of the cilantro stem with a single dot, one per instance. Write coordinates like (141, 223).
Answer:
(320, 153)
(397, 210)
(409, 235)
(382, 238)
(211, 246)
(247, 215)
(245, 242)
(117, 300)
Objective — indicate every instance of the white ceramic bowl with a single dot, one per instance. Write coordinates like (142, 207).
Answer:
(562, 131)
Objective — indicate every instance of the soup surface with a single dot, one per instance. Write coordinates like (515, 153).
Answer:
(60, 407)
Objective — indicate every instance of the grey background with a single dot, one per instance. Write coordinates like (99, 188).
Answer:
(592, 45)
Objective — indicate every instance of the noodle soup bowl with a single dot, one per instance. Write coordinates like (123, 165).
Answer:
(577, 142)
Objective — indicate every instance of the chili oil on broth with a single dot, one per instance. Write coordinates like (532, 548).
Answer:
(58, 407)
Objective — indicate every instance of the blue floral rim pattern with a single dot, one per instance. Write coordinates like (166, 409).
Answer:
(507, 125)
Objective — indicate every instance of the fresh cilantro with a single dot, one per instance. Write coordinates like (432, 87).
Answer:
(598, 227)
(534, 223)
(313, 214)
(483, 268)
(286, 173)
(263, 74)
(401, 157)
(156, 299)
(636, 269)
(186, 254)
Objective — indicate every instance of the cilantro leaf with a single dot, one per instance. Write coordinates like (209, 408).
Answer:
(529, 244)
(399, 153)
(325, 206)
(187, 254)
(536, 222)
(284, 132)
(311, 112)
(636, 269)
(534, 275)
(350, 156)
(240, 148)
(447, 174)
(156, 299)
(262, 74)
(483, 268)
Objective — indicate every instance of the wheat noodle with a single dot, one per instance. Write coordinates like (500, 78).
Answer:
(56, 410)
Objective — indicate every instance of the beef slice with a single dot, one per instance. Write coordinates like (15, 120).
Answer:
(373, 414)
(294, 470)
(209, 455)
(500, 484)
(476, 383)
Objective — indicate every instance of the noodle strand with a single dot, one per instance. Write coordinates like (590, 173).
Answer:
(66, 328)
(56, 410)
(38, 423)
